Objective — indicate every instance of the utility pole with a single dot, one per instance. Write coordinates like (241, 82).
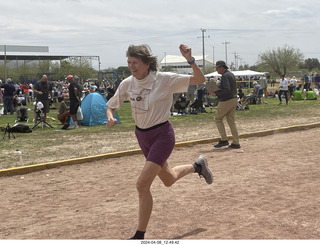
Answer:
(236, 58)
(5, 63)
(203, 53)
(240, 61)
(213, 57)
(226, 43)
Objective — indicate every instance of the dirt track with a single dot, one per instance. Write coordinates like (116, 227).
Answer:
(268, 191)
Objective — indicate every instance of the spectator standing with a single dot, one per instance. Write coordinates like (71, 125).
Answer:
(117, 83)
(18, 89)
(31, 93)
(264, 85)
(1, 95)
(227, 95)
(306, 80)
(190, 95)
(316, 81)
(283, 88)
(43, 92)
(9, 91)
(25, 91)
(200, 97)
(74, 95)
(292, 86)
(256, 88)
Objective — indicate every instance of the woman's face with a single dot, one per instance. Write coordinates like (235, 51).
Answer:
(137, 68)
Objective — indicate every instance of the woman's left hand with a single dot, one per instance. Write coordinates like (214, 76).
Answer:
(185, 51)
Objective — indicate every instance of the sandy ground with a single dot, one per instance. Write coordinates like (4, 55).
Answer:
(268, 190)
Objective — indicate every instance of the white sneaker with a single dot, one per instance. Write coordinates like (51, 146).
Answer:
(74, 125)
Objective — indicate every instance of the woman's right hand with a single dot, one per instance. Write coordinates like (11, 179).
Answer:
(111, 122)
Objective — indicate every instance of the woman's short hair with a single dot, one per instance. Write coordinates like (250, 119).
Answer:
(143, 52)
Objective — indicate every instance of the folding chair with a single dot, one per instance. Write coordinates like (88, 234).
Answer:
(181, 106)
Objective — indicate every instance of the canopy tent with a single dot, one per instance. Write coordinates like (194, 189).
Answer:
(213, 74)
(246, 73)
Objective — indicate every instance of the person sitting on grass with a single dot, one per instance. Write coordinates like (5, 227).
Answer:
(297, 94)
(241, 95)
(64, 111)
(310, 95)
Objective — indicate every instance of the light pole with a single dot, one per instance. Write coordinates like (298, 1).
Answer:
(226, 43)
(203, 53)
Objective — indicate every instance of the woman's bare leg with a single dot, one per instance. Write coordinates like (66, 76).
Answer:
(170, 175)
(147, 175)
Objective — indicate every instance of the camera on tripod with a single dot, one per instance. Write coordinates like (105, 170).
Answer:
(41, 116)
(39, 110)
(8, 130)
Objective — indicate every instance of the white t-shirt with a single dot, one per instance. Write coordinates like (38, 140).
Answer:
(293, 82)
(284, 84)
(151, 97)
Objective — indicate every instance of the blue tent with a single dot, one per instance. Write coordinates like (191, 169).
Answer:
(94, 107)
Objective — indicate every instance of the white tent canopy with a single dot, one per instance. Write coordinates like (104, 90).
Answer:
(246, 73)
(213, 74)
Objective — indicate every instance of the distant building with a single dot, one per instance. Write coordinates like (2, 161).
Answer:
(179, 64)
(12, 56)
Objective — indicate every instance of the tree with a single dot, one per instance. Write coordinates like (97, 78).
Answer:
(123, 71)
(310, 64)
(167, 69)
(44, 66)
(82, 67)
(55, 70)
(281, 60)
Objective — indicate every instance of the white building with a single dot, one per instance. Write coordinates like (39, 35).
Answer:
(179, 64)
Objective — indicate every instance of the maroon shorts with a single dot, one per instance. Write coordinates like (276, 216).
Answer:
(156, 142)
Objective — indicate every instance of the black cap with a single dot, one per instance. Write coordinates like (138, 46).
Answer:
(221, 63)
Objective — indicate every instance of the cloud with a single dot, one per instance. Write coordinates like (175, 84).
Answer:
(290, 12)
(106, 28)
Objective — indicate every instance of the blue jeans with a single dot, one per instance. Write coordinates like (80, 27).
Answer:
(8, 105)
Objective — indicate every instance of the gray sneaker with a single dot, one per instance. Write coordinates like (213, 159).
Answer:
(205, 171)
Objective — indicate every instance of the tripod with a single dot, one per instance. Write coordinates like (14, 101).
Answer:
(9, 130)
(40, 116)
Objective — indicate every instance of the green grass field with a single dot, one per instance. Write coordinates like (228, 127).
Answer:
(45, 142)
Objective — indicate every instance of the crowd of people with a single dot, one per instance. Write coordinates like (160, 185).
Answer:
(59, 95)
(63, 95)
(294, 89)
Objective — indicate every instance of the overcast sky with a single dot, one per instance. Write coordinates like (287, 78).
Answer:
(106, 28)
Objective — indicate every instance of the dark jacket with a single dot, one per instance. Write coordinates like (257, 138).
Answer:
(45, 88)
(8, 89)
(227, 86)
